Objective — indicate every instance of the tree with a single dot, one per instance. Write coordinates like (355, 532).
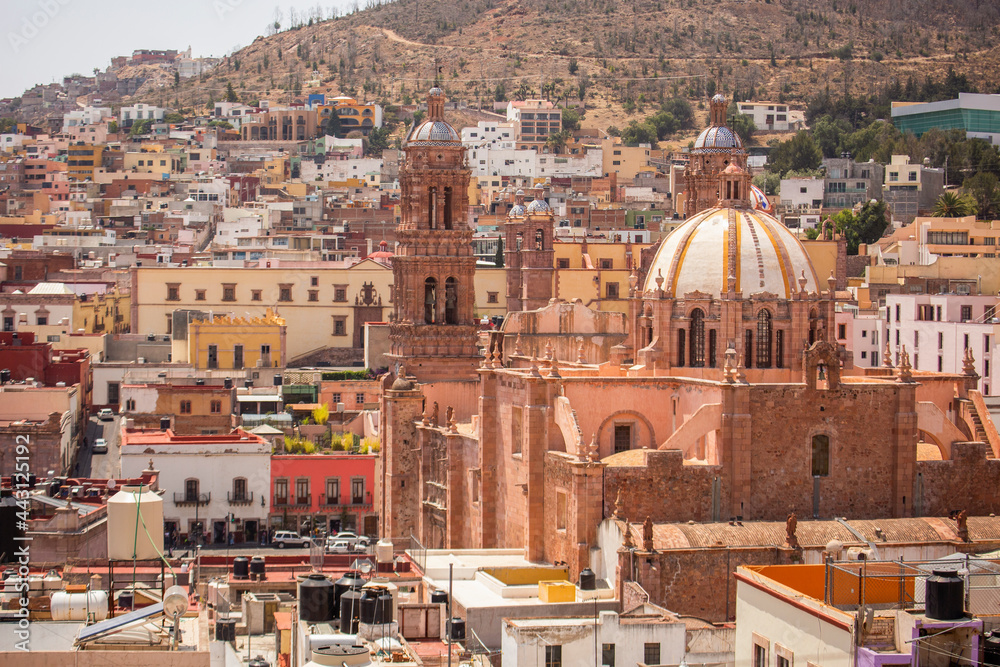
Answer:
(799, 153)
(953, 204)
(177, 78)
(113, 126)
(378, 141)
(321, 414)
(680, 109)
(140, 127)
(331, 124)
(985, 193)
(557, 140)
(173, 118)
(865, 227)
(639, 133)
(230, 93)
(665, 124)
(498, 258)
(570, 119)
(743, 126)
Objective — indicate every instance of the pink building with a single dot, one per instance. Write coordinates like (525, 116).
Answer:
(331, 492)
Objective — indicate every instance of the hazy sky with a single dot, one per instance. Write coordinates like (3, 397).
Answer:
(44, 40)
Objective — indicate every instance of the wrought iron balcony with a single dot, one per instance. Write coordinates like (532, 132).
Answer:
(240, 498)
(192, 499)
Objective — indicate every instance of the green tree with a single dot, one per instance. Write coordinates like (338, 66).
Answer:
(570, 119)
(112, 126)
(681, 110)
(827, 132)
(378, 141)
(665, 124)
(768, 182)
(140, 127)
(743, 126)
(177, 78)
(798, 153)
(331, 124)
(866, 227)
(498, 258)
(953, 204)
(230, 93)
(173, 118)
(223, 124)
(573, 66)
(983, 189)
(557, 140)
(639, 133)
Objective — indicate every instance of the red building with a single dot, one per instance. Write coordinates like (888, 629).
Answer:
(326, 492)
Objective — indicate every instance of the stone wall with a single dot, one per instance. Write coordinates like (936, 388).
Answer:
(969, 481)
(661, 487)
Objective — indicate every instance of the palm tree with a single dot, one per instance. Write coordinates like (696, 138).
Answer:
(951, 204)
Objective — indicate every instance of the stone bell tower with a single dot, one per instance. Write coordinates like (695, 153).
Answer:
(433, 329)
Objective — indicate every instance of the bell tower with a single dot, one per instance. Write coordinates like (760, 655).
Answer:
(433, 329)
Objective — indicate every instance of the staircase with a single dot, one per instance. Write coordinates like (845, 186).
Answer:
(982, 425)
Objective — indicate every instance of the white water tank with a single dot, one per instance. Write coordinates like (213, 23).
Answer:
(135, 524)
(383, 551)
(76, 606)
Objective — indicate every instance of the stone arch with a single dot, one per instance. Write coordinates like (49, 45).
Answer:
(821, 354)
(607, 448)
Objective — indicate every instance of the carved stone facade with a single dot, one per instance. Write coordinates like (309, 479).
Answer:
(528, 253)
(433, 326)
(716, 148)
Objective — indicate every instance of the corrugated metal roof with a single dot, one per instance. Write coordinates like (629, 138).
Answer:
(50, 288)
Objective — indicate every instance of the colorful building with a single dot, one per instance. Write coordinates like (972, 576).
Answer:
(228, 342)
(325, 492)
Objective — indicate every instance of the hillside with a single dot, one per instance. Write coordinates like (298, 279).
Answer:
(623, 56)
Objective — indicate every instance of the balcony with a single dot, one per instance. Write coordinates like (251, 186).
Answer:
(240, 498)
(192, 499)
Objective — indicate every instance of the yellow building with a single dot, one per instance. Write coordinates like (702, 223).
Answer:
(353, 115)
(324, 305)
(596, 273)
(625, 161)
(231, 343)
(82, 160)
(102, 313)
(491, 292)
(148, 162)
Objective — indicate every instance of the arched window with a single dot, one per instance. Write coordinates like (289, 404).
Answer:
(539, 240)
(680, 346)
(451, 301)
(447, 208)
(430, 301)
(820, 455)
(697, 338)
(764, 335)
(432, 207)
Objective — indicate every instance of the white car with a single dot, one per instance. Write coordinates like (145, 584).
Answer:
(100, 446)
(289, 538)
(338, 546)
(106, 414)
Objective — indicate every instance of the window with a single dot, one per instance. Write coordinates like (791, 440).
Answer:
(228, 292)
(130, 405)
(697, 338)
(240, 488)
(199, 295)
(608, 655)
(340, 293)
(332, 490)
(314, 295)
(759, 655)
(284, 292)
(553, 656)
(191, 490)
(563, 262)
(237, 356)
(897, 312)
(314, 281)
(185, 407)
(764, 334)
(841, 331)
(623, 437)
(173, 292)
(515, 429)
(611, 290)
(651, 653)
(359, 398)
(113, 388)
(358, 491)
(430, 301)
(339, 325)
(42, 320)
(940, 341)
(302, 490)
(451, 301)
(821, 455)
(492, 297)
(255, 295)
(607, 264)
(216, 407)
(213, 356)
(916, 339)
(966, 313)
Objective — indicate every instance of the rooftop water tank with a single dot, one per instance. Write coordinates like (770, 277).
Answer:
(135, 524)
(79, 606)
(350, 610)
(241, 567)
(588, 580)
(257, 568)
(944, 596)
(315, 599)
(339, 656)
(439, 597)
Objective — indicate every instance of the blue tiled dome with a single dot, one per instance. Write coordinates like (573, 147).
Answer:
(539, 206)
(718, 137)
(435, 130)
(516, 211)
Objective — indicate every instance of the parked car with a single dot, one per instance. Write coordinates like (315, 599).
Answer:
(100, 446)
(289, 538)
(106, 414)
(338, 546)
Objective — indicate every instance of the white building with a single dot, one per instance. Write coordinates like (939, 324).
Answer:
(215, 484)
(773, 116)
(489, 134)
(550, 165)
(862, 333)
(85, 116)
(366, 169)
(936, 329)
(648, 635)
(130, 115)
(801, 201)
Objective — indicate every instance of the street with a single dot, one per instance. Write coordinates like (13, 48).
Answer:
(100, 466)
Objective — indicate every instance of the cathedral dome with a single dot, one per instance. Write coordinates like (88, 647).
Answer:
(539, 206)
(700, 255)
(436, 131)
(718, 137)
(516, 211)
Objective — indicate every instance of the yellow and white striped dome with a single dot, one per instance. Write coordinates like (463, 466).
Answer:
(755, 249)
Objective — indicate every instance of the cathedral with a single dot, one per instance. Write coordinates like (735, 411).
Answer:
(721, 394)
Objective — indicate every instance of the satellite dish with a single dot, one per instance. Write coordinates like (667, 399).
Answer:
(175, 602)
(365, 567)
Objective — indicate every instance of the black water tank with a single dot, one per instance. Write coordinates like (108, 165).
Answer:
(588, 580)
(241, 567)
(276, 381)
(384, 606)
(351, 581)
(369, 601)
(259, 661)
(456, 629)
(4, 375)
(257, 568)
(164, 423)
(315, 599)
(439, 597)
(350, 610)
(248, 383)
(228, 383)
(944, 596)
(225, 630)
(991, 649)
